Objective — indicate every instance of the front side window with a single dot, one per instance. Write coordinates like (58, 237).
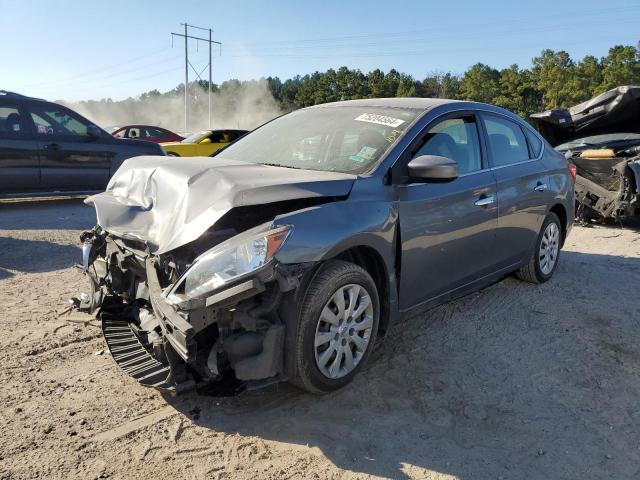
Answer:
(507, 144)
(52, 120)
(346, 139)
(457, 139)
(11, 122)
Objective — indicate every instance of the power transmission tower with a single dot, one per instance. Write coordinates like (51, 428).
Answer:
(210, 42)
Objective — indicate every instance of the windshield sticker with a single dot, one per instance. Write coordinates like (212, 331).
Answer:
(365, 154)
(393, 135)
(379, 119)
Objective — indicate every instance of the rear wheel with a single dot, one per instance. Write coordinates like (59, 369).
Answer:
(546, 253)
(337, 327)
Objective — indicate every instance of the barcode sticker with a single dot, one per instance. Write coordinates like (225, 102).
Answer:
(379, 119)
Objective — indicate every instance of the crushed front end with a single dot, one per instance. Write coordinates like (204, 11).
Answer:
(203, 314)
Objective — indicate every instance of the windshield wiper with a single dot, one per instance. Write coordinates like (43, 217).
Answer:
(283, 166)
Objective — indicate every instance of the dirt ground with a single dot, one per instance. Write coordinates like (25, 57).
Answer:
(514, 382)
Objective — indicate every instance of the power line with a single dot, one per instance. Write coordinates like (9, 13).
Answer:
(272, 51)
(527, 20)
(102, 77)
(97, 70)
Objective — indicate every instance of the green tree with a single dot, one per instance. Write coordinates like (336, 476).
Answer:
(480, 83)
(621, 66)
(551, 72)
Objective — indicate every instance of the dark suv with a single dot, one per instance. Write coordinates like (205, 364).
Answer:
(45, 148)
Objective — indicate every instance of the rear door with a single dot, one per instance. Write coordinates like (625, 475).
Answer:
(523, 188)
(70, 159)
(448, 229)
(19, 164)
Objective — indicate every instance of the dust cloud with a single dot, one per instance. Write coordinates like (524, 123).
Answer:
(235, 104)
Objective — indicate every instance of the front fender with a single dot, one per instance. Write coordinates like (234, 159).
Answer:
(325, 231)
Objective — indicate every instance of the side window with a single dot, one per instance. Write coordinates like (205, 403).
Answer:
(150, 132)
(535, 144)
(133, 132)
(120, 133)
(507, 144)
(457, 139)
(52, 120)
(12, 125)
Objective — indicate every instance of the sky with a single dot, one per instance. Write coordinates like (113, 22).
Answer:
(77, 50)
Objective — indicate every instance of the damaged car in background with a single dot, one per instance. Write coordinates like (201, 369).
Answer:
(601, 137)
(286, 256)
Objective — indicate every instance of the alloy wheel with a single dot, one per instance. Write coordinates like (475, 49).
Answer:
(343, 331)
(549, 247)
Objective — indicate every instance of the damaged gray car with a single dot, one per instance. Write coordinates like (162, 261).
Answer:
(601, 137)
(286, 256)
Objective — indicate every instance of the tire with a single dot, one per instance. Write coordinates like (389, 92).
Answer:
(536, 271)
(322, 292)
(172, 154)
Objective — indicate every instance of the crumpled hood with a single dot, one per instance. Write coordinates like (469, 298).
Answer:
(615, 111)
(168, 202)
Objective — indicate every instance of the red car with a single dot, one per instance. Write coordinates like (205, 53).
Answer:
(148, 133)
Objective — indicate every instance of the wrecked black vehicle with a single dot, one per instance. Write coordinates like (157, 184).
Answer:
(286, 255)
(601, 137)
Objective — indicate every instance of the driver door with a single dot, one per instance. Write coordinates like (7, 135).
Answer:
(69, 158)
(447, 229)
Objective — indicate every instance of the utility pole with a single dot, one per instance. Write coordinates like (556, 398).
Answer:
(210, 42)
(186, 79)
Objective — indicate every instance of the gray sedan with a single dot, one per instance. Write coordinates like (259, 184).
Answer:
(288, 254)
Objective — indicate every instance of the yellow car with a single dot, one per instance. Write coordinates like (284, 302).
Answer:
(202, 144)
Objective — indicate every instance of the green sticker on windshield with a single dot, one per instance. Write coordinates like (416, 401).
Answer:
(365, 153)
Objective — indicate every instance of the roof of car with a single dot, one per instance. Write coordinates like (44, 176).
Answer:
(7, 94)
(399, 102)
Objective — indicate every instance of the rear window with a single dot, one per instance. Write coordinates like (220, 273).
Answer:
(535, 144)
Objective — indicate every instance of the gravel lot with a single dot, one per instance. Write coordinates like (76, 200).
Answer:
(516, 381)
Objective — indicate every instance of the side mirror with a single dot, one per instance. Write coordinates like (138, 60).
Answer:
(433, 168)
(205, 141)
(93, 132)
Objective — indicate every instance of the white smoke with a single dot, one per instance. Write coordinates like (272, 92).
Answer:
(243, 105)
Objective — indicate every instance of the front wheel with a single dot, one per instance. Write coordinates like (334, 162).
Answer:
(546, 252)
(337, 327)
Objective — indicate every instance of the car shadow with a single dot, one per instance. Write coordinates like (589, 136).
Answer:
(35, 256)
(67, 214)
(509, 382)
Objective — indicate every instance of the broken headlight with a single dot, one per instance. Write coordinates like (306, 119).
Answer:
(232, 259)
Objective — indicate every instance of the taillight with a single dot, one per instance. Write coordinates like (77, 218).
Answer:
(572, 170)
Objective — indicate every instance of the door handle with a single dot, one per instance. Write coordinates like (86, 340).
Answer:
(541, 187)
(485, 200)
(52, 146)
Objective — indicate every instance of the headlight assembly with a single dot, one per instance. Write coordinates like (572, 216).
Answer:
(231, 260)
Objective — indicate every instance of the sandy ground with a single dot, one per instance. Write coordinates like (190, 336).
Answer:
(516, 381)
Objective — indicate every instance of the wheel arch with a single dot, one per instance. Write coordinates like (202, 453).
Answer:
(560, 210)
(373, 262)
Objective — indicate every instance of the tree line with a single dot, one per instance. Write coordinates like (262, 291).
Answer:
(553, 80)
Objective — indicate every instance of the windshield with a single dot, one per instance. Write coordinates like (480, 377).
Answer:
(195, 137)
(600, 140)
(341, 139)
